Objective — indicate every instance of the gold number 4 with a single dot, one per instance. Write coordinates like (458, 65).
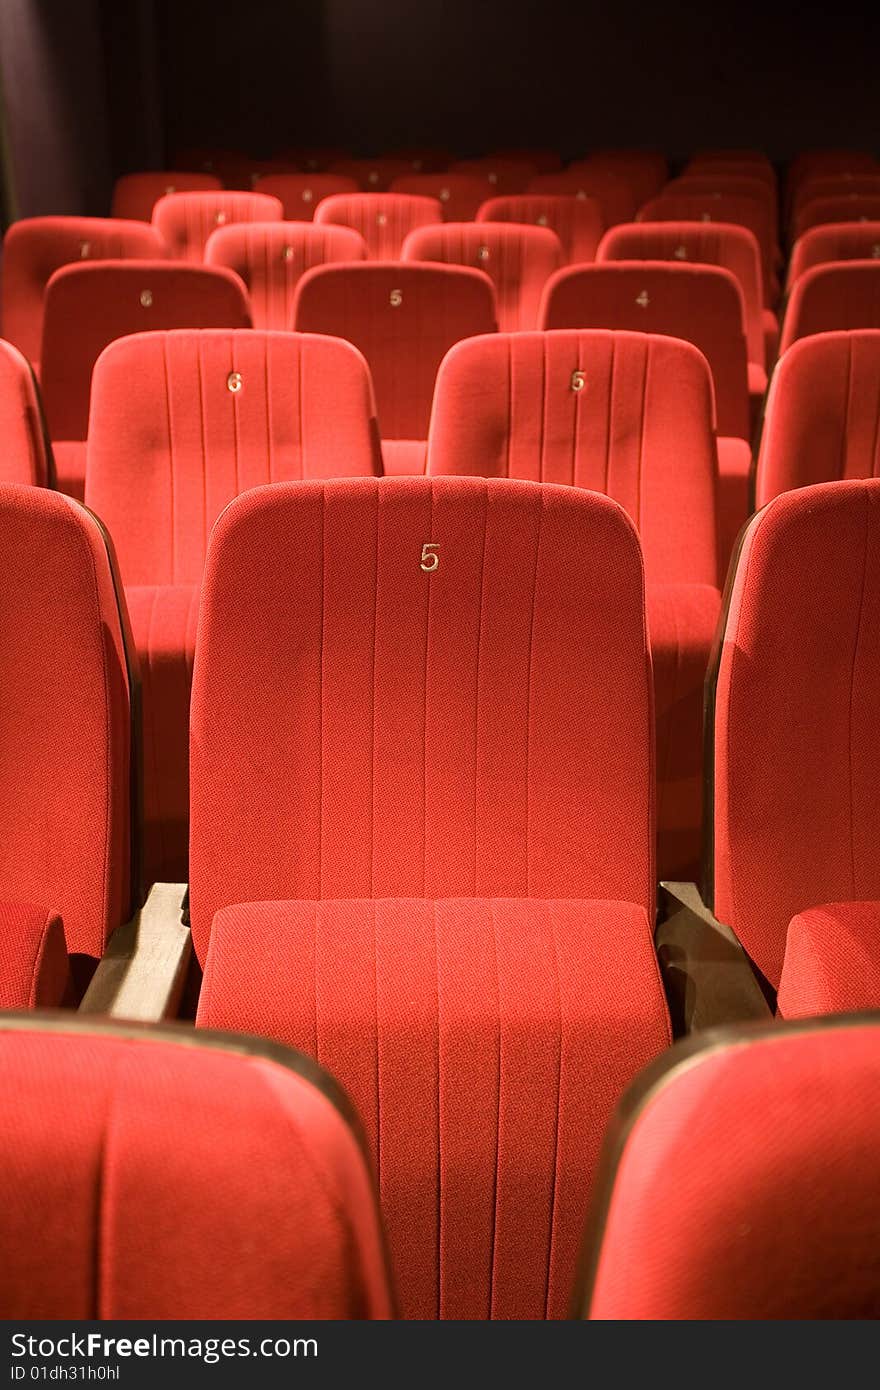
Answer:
(430, 558)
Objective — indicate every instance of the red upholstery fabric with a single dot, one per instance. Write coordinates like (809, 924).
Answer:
(643, 171)
(484, 1043)
(702, 304)
(717, 183)
(499, 175)
(383, 219)
(403, 318)
(459, 195)
(841, 185)
(314, 158)
(797, 761)
(728, 208)
(34, 969)
(169, 446)
(607, 187)
(372, 175)
(146, 1177)
(852, 207)
(64, 720)
(813, 163)
(576, 221)
(731, 247)
(34, 248)
(184, 221)
(734, 496)
(300, 194)
(135, 195)
(823, 414)
(834, 241)
(422, 159)
(746, 1187)
(519, 260)
(270, 257)
(23, 448)
(427, 745)
(88, 306)
(545, 161)
(829, 297)
(832, 961)
(640, 430)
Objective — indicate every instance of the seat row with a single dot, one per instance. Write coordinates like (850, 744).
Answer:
(421, 851)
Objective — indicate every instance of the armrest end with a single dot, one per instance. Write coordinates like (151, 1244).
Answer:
(143, 971)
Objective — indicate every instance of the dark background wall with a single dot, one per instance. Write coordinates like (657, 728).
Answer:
(96, 87)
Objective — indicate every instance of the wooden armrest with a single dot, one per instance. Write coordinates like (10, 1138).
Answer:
(708, 977)
(143, 971)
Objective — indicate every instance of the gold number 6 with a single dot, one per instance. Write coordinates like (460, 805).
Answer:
(430, 558)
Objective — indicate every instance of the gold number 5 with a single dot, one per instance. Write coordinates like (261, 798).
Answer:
(430, 558)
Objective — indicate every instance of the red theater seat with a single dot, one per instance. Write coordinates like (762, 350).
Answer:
(796, 707)
(643, 171)
(731, 247)
(631, 416)
(373, 175)
(135, 195)
(605, 186)
(845, 207)
(742, 211)
(184, 221)
(410, 652)
(23, 450)
(270, 258)
(179, 1177)
(500, 175)
(576, 221)
(404, 319)
(542, 160)
(382, 219)
(181, 423)
(739, 1182)
(36, 247)
(831, 297)
(700, 303)
(64, 730)
(841, 185)
(823, 414)
(835, 241)
(459, 195)
(300, 194)
(87, 306)
(519, 261)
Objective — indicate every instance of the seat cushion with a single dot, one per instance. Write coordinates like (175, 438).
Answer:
(34, 968)
(70, 466)
(402, 457)
(484, 1043)
(734, 505)
(681, 623)
(832, 961)
(163, 622)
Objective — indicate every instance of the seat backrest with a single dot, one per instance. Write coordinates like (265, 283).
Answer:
(731, 247)
(700, 303)
(372, 175)
(716, 181)
(721, 207)
(775, 1212)
(87, 306)
(627, 414)
(499, 175)
(382, 219)
(404, 319)
(181, 422)
(643, 171)
(270, 257)
(300, 194)
(796, 709)
(831, 297)
(233, 1181)
(184, 221)
(518, 260)
(64, 719)
(459, 195)
(23, 451)
(36, 247)
(442, 632)
(845, 207)
(843, 185)
(135, 195)
(605, 186)
(818, 163)
(834, 241)
(822, 420)
(576, 221)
